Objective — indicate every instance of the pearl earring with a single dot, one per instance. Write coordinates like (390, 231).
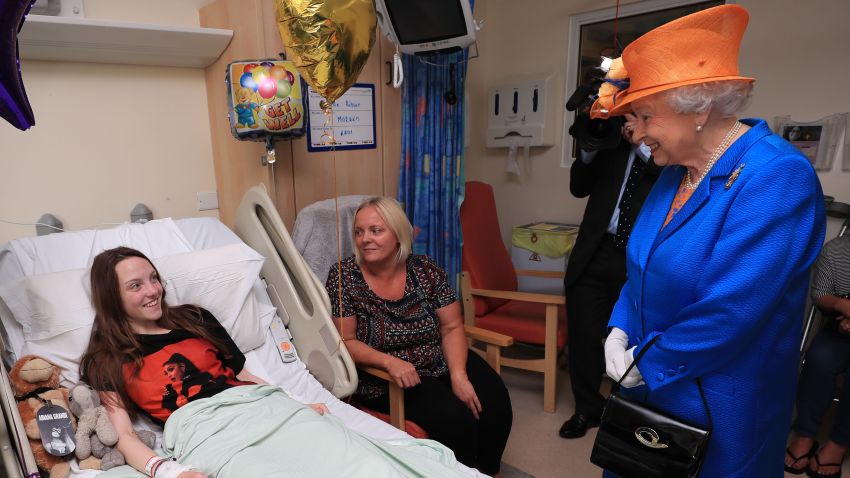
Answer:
(699, 128)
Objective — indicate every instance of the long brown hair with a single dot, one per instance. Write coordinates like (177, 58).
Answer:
(113, 344)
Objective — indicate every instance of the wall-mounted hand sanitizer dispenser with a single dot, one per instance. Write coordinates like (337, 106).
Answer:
(519, 113)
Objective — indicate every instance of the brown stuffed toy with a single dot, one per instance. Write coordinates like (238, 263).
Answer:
(34, 376)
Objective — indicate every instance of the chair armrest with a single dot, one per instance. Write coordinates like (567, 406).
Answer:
(533, 273)
(396, 396)
(377, 373)
(520, 296)
(488, 336)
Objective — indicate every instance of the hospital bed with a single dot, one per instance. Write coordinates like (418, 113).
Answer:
(251, 278)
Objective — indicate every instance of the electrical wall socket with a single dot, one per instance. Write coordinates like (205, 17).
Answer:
(207, 201)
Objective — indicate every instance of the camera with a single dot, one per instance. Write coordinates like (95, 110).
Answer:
(592, 134)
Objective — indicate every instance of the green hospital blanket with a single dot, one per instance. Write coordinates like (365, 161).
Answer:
(258, 431)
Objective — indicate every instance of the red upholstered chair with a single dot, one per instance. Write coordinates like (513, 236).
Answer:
(490, 297)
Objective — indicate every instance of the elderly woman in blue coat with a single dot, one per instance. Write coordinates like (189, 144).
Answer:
(719, 257)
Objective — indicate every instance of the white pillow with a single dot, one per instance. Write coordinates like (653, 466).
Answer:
(76, 249)
(55, 313)
(220, 280)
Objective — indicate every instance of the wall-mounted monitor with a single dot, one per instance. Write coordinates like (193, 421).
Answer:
(427, 26)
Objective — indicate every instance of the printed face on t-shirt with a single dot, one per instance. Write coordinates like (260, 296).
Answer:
(174, 371)
(178, 374)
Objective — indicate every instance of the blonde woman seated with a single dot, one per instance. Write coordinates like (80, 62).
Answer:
(396, 311)
(179, 367)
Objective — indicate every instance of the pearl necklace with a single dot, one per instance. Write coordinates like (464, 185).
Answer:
(721, 148)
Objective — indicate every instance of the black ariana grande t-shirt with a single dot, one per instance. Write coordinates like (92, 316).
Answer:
(179, 367)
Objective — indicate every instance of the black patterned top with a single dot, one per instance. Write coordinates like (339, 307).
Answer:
(407, 328)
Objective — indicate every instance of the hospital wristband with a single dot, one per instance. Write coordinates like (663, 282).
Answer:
(152, 464)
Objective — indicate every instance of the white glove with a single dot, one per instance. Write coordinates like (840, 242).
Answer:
(634, 378)
(615, 348)
(171, 469)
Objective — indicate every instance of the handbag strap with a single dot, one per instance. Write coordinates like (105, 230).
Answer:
(698, 380)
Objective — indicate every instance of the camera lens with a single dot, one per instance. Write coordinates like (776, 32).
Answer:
(596, 134)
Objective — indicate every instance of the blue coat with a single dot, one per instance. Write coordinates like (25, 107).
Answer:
(724, 284)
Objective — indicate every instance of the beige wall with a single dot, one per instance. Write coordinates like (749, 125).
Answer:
(795, 50)
(109, 136)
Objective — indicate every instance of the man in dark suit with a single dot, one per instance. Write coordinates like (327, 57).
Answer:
(597, 265)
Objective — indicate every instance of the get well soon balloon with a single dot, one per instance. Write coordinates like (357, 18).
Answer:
(328, 40)
(264, 100)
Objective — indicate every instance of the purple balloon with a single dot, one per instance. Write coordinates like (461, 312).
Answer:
(267, 64)
(14, 105)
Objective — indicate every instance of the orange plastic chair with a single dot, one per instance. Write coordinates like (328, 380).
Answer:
(490, 297)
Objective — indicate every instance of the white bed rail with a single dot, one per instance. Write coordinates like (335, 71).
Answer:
(301, 300)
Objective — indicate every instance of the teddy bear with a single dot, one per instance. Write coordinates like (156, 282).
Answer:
(96, 436)
(34, 381)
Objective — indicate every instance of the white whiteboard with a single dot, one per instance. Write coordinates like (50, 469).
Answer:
(353, 125)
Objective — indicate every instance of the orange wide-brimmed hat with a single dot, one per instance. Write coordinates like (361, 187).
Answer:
(697, 48)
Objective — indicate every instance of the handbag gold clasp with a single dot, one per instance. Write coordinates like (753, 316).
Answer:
(649, 437)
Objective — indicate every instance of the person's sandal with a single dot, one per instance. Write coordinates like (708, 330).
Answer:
(799, 471)
(815, 474)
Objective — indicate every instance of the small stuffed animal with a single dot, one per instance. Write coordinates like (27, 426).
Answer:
(104, 458)
(34, 380)
(96, 437)
(95, 434)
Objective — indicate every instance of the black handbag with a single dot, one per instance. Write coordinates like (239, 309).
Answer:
(636, 441)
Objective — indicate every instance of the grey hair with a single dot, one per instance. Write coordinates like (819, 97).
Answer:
(727, 97)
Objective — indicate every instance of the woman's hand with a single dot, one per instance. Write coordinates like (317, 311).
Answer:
(319, 408)
(402, 372)
(463, 389)
(633, 378)
(615, 349)
(191, 474)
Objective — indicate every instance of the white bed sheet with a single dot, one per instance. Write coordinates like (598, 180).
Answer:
(22, 257)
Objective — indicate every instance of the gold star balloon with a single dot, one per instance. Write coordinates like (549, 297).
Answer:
(328, 40)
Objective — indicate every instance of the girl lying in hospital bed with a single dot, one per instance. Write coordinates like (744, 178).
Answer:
(178, 366)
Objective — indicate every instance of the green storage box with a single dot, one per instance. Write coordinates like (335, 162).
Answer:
(542, 246)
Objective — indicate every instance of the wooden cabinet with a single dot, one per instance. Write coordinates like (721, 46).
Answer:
(299, 177)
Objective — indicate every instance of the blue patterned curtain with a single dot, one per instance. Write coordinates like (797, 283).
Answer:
(431, 182)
